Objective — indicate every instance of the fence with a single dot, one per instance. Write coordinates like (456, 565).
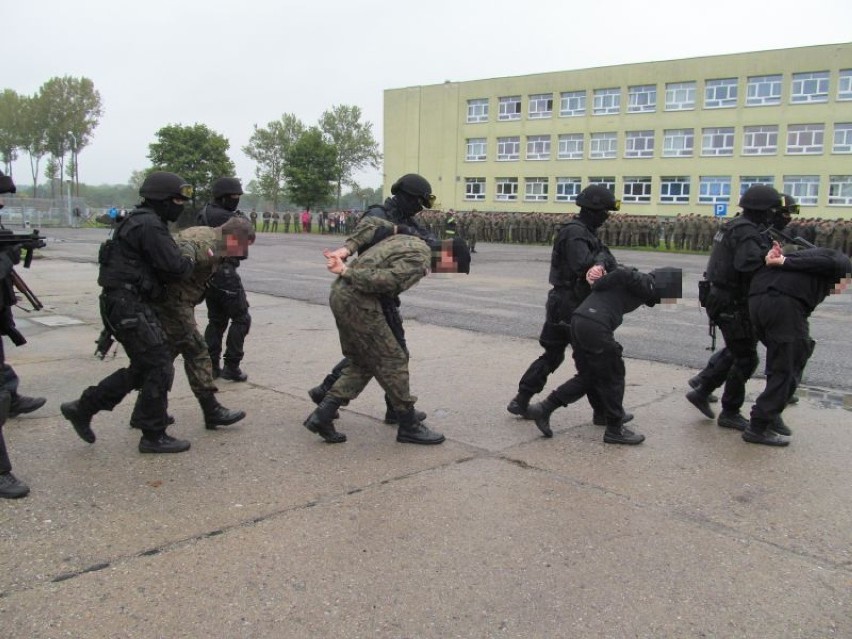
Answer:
(38, 212)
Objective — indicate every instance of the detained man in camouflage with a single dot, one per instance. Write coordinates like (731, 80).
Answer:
(391, 266)
(176, 311)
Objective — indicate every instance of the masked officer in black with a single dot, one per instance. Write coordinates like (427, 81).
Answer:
(410, 194)
(135, 265)
(597, 356)
(11, 403)
(576, 250)
(226, 298)
(739, 250)
(782, 297)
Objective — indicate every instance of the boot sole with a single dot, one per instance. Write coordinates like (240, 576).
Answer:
(331, 439)
(626, 442)
(705, 410)
(86, 434)
(227, 422)
(162, 451)
(766, 442)
(424, 442)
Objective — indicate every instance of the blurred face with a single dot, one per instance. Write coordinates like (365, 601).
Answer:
(443, 260)
(236, 244)
(842, 285)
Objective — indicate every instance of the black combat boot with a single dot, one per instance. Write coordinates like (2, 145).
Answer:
(158, 442)
(215, 414)
(217, 370)
(616, 433)
(759, 432)
(413, 431)
(699, 397)
(599, 419)
(541, 412)
(321, 421)
(232, 373)
(318, 392)
(392, 418)
(728, 419)
(519, 404)
(695, 382)
(21, 405)
(11, 487)
(780, 427)
(80, 419)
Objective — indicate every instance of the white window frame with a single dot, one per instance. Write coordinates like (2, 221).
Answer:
(568, 188)
(721, 93)
(606, 181)
(678, 143)
(474, 189)
(639, 144)
(477, 110)
(748, 181)
(637, 189)
(642, 98)
(603, 145)
(571, 146)
(675, 189)
(714, 189)
(477, 150)
(844, 85)
(607, 101)
(540, 106)
(760, 140)
(809, 88)
(536, 189)
(805, 188)
(840, 190)
(538, 147)
(509, 108)
(717, 141)
(805, 139)
(572, 104)
(842, 138)
(680, 96)
(764, 90)
(506, 189)
(509, 149)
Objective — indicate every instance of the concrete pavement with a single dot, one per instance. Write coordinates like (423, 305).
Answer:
(262, 530)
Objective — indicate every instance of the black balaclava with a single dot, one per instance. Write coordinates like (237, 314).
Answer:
(168, 210)
(408, 205)
(228, 203)
(593, 219)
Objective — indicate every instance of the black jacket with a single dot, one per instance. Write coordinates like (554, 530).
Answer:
(616, 294)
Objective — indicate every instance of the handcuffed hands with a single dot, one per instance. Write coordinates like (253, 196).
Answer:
(775, 256)
(333, 262)
(594, 274)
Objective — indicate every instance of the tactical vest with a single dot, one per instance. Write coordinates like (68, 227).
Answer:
(720, 267)
(560, 271)
(121, 265)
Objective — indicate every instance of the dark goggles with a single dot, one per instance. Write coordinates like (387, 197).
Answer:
(428, 201)
(185, 192)
(616, 206)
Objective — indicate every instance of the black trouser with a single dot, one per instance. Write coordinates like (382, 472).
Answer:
(8, 387)
(733, 322)
(135, 325)
(227, 302)
(600, 369)
(781, 324)
(717, 369)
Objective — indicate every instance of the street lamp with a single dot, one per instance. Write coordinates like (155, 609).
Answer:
(68, 190)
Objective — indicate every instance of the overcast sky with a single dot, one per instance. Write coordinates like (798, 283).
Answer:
(232, 65)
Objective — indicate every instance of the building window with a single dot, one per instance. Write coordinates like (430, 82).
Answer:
(721, 94)
(509, 108)
(840, 190)
(541, 106)
(477, 110)
(760, 140)
(571, 146)
(805, 188)
(535, 189)
(572, 103)
(606, 181)
(476, 150)
(538, 147)
(637, 190)
(607, 101)
(474, 189)
(714, 189)
(680, 96)
(509, 148)
(842, 138)
(809, 87)
(642, 99)
(674, 189)
(748, 181)
(844, 85)
(717, 141)
(507, 189)
(603, 146)
(763, 90)
(639, 144)
(678, 143)
(805, 139)
(567, 189)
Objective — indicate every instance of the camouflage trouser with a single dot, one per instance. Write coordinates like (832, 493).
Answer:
(178, 321)
(373, 351)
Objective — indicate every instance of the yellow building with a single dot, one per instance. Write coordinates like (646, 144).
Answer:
(667, 137)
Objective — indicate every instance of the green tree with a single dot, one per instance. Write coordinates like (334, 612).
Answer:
(269, 147)
(311, 170)
(196, 153)
(356, 147)
(11, 112)
(34, 134)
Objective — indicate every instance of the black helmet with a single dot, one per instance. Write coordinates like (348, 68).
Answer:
(597, 197)
(760, 197)
(7, 185)
(668, 283)
(162, 185)
(415, 185)
(226, 186)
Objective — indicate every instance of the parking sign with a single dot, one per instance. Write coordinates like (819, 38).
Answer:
(720, 210)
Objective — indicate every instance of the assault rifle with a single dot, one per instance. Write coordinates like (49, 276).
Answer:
(777, 235)
(27, 242)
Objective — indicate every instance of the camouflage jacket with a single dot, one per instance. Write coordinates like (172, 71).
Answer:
(201, 243)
